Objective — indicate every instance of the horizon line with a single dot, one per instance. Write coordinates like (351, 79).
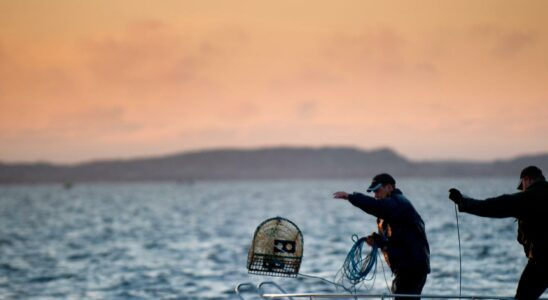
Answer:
(260, 148)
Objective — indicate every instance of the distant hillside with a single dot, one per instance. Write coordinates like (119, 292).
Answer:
(268, 163)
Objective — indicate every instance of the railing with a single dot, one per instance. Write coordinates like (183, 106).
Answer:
(259, 290)
(375, 296)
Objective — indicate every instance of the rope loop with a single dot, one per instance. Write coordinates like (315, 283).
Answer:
(359, 266)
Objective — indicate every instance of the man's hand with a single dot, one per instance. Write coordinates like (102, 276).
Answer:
(375, 239)
(340, 195)
(455, 196)
(370, 240)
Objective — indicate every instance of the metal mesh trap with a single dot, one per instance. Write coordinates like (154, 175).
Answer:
(277, 249)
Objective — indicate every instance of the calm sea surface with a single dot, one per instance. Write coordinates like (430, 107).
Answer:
(190, 241)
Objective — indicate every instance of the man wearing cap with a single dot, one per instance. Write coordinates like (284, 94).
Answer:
(401, 235)
(530, 208)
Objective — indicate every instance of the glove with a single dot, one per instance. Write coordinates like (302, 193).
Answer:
(455, 196)
(376, 239)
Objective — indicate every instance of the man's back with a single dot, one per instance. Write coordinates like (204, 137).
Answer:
(529, 207)
(533, 222)
(407, 245)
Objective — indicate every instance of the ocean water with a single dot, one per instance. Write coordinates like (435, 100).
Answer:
(190, 241)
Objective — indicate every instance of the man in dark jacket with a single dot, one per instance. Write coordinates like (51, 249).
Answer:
(401, 234)
(530, 207)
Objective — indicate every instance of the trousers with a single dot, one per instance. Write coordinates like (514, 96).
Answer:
(408, 283)
(533, 281)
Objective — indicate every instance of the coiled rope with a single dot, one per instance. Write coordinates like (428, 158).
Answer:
(359, 265)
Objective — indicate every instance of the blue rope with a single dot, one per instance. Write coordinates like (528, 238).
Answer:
(356, 266)
(359, 264)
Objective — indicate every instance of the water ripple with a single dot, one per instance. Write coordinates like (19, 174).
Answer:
(172, 241)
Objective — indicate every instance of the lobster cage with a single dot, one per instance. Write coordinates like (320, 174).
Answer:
(277, 249)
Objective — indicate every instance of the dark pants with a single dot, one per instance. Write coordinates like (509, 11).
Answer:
(408, 283)
(533, 281)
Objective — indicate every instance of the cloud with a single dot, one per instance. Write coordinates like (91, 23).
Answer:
(242, 112)
(3, 57)
(90, 122)
(371, 51)
(207, 137)
(7, 68)
(93, 121)
(32, 89)
(148, 55)
(306, 109)
(303, 80)
(208, 80)
(177, 69)
(499, 41)
(384, 56)
(510, 44)
(427, 70)
(3, 71)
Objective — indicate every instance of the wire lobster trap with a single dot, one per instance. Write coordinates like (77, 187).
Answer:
(277, 249)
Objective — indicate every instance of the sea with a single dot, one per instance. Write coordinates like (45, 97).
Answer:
(190, 240)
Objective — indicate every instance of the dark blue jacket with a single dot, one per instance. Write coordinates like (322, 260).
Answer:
(529, 207)
(405, 245)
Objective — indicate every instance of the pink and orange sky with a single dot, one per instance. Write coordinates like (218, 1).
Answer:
(85, 80)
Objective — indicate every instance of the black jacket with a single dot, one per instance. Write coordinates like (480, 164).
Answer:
(529, 207)
(406, 246)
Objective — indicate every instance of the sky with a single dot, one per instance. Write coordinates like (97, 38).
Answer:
(433, 80)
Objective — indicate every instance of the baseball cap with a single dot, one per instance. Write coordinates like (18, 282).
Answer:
(531, 172)
(380, 180)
